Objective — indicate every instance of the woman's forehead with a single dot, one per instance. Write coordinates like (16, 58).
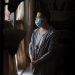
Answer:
(39, 14)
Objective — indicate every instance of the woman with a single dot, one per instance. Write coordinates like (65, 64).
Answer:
(43, 48)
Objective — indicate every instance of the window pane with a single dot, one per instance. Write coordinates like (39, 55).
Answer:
(6, 1)
(7, 13)
(20, 11)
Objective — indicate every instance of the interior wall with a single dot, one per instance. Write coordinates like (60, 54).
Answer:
(61, 11)
(28, 24)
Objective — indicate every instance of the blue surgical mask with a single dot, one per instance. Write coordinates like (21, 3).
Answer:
(39, 22)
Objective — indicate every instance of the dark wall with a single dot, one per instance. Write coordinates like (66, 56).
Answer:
(61, 11)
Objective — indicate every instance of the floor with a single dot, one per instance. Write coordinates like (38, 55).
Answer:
(28, 71)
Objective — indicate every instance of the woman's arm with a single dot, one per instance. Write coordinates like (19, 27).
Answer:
(40, 60)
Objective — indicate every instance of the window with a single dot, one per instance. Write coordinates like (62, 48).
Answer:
(7, 13)
(6, 1)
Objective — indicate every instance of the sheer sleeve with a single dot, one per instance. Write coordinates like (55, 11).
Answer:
(30, 48)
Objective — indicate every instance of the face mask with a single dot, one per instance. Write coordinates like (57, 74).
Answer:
(39, 22)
